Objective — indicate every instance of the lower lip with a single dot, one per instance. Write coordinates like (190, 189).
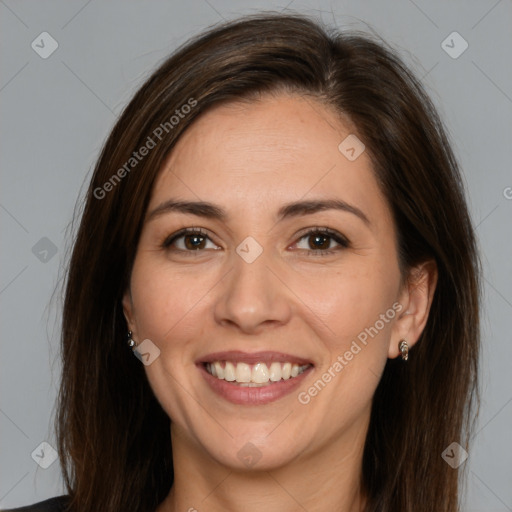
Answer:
(244, 395)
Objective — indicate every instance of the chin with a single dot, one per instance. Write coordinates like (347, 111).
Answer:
(256, 453)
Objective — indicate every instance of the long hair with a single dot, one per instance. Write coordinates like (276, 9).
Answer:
(113, 436)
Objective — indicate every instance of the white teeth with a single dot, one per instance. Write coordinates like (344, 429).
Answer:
(258, 374)
(218, 370)
(275, 371)
(243, 372)
(229, 372)
(285, 372)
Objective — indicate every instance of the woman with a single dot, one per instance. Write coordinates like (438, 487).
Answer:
(276, 228)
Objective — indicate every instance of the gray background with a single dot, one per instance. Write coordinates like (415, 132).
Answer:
(57, 111)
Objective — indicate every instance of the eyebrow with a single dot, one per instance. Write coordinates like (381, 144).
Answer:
(295, 209)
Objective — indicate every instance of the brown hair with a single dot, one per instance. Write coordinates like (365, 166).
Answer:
(113, 436)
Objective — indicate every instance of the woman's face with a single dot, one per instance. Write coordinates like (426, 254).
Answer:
(263, 291)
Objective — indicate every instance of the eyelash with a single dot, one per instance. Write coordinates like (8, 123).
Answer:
(325, 232)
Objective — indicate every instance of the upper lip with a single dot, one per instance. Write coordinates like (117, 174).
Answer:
(253, 357)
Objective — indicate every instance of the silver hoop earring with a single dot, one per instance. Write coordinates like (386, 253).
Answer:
(404, 350)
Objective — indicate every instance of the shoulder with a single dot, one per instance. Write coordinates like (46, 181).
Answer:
(57, 504)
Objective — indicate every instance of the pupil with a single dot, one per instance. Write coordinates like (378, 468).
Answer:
(194, 241)
(321, 245)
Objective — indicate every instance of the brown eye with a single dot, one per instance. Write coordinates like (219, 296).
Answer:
(188, 240)
(319, 241)
(322, 241)
(194, 241)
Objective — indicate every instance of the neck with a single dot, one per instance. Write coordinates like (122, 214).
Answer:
(329, 480)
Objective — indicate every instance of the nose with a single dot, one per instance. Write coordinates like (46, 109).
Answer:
(253, 297)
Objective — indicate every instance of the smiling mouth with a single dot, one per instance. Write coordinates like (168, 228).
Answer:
(254, 375)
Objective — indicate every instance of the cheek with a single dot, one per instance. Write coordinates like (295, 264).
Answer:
(351, 299)
(167, 310)
(358, 311)
(164, 301)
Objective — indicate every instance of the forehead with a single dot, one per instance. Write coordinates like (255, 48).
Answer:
(274, 150)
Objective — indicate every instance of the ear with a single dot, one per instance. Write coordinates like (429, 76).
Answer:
(416, 298)
(128, 311)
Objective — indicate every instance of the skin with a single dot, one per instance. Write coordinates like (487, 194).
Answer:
(250, 159)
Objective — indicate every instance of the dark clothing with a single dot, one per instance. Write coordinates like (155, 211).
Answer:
(52, 505)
